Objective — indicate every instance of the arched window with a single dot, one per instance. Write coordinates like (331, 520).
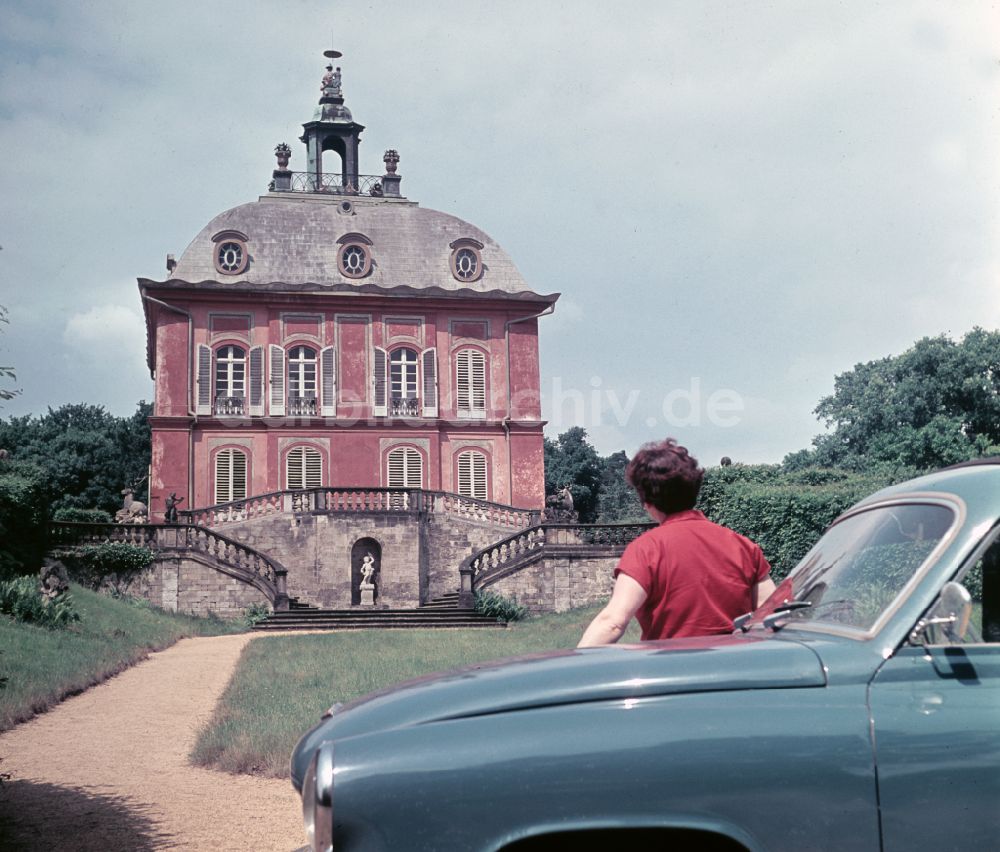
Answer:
(230, 476)
(303, 468)
(470, 383)
(404, 468)
(472, 476)
(302, 381)
(230, 380)
(403, 382)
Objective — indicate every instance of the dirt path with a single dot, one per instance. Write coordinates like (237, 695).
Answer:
(107, 770)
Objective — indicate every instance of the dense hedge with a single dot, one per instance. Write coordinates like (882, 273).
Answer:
(82, 516)
(111, 564)
(785, 512)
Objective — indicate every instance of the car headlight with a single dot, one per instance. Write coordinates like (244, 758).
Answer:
(317, 799)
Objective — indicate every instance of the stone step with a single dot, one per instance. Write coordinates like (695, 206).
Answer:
(371, 624)
(443, 616)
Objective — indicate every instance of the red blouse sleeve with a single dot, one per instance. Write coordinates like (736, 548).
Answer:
(637, 564)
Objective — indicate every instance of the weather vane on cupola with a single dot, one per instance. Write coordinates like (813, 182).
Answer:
(331, 102)
(331, 80)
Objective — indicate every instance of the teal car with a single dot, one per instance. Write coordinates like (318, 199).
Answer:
(857, 709)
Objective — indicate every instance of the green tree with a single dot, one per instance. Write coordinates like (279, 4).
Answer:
(85, 454)
(936, 404)
(23, 513)
(617, 501)
(572, 461)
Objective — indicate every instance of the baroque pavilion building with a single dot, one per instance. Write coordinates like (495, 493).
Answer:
(333, 333)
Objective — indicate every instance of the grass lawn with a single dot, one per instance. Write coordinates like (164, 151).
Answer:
(284, 683)
(44, 666)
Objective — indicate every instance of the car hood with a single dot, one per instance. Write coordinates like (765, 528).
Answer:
(706, 664)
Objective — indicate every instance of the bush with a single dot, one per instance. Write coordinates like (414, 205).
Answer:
(114, 564)
(82, 516)
(23, 514)
(22, 600)
(255, 613)
(497, 606)
(785, 512)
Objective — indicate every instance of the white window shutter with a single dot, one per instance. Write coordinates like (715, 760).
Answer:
(381, 383)
(430, 382)
(396, 473)
(405, 468)
(204, 379)
(223, 478)
(230, 476)
(472, 480)
(470, 382)
(312, 468)
(277, 380)
(328, 396)
(293, 469)
(239, 475)
(478, 383)
(462, 380)
(256, 389)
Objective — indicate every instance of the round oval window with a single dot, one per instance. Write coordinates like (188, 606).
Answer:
(230, 257)
(466, 264)
(354, 261)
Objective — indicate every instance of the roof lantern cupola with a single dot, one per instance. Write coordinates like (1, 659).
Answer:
(332, 129)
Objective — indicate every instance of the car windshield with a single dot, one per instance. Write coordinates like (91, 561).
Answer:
(858, 568)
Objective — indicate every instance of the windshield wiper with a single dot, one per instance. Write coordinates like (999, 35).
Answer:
(779, 615)
(743, 622)
(788, 606)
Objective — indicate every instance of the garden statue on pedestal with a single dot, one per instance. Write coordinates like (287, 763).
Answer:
(367, 583)
(170, 516)
(132, 511)
(559, 508)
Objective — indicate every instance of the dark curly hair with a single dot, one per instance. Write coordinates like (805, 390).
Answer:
(665, 476)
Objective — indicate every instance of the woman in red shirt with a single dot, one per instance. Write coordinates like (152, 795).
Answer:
(688, 576)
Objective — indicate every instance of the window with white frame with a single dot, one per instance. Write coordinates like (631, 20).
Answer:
(472, 476)
(302, 381)
(303, 468)
(230, 476)
(230, 380)
(470, 383)
(404, 468)
(403, 382)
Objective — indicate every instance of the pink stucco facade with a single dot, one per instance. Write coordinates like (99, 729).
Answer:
(352, 437)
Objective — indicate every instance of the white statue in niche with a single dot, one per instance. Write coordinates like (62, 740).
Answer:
(367, 571)
(367, 583)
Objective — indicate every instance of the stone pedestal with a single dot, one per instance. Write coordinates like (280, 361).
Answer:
(367, 595)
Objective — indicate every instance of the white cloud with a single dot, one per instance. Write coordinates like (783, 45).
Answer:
(105, 332)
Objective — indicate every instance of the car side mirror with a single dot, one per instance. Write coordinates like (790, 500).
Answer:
(950, 614)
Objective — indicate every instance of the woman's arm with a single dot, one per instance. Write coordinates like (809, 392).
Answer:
(610, 623)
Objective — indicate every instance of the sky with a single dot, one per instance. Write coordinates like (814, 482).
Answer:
(737, 200)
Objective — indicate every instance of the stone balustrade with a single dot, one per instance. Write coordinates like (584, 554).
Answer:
(267, 573)
(526, 546)
(406, 500)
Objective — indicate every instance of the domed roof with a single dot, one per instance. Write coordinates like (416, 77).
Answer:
(295, 240)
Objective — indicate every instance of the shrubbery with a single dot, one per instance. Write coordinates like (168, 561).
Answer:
(113, 564)
(21, 599)
(256, 613)
(23, 509)
(82, 516)
(499, 607)
(785, 512)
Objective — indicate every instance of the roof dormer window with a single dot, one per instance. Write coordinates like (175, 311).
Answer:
(466, 260)
(231, 255)
(354, 258)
